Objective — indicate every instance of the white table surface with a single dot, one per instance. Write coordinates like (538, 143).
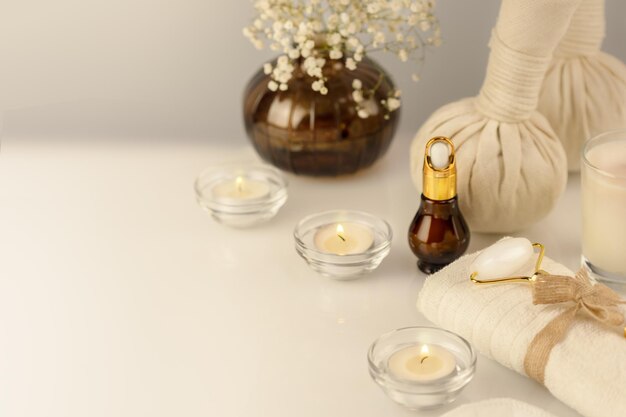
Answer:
(120, 297)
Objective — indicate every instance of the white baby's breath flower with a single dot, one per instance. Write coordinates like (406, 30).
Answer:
(317, 85)
(357, 84)
(332, 21)
(334, 39)
(306, 31)
(393, 104)
(309, 62)
(283, 77)
(363, 114)
(315, 72)
(357, 96)
(350, 64)
(335, 54)
(353, 42)
(379, 38)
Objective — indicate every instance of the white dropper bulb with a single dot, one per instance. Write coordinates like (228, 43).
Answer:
(439, 155)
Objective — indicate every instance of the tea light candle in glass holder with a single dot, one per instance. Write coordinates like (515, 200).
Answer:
(421, 367)
(240, 190)
(343, 244)
(241, 196)
(603, 186)
(422, 363)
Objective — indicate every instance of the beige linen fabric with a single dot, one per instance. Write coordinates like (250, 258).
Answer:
(511, 165)
(584, 91)
(587, 370)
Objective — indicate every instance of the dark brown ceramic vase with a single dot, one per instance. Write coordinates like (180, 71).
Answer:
(305, 132)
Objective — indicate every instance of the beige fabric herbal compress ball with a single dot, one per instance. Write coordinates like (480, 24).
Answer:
(511, 167)
(509, 175)
(584, 91)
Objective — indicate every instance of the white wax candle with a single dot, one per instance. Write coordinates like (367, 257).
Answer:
(344, 238)
(422, 363)
(240, 190)
(604, 207)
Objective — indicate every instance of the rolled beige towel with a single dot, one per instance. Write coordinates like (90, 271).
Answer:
(587, 370)
(584, 91)
(511, 165)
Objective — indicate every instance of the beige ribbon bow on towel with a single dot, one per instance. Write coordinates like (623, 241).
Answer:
(597, 300)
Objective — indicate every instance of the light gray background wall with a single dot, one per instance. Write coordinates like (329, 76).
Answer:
(148, 69)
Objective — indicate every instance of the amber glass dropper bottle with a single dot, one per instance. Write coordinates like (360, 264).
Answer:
(438, 234)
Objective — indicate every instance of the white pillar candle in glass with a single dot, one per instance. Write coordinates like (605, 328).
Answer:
(422, 363)
(344, 238)
(603, 177)
(239, 190)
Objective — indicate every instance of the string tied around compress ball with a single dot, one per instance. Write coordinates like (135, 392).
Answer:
(586, 31)
(511, 88)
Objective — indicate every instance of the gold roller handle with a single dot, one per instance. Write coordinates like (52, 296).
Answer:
(538, 271)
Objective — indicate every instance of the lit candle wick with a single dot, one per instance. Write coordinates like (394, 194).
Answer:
(425, 352)
(340, 232)
(239, 184)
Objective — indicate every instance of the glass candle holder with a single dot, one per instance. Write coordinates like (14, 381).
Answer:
(343, 244)
(421, 367)
(603, 176)
(239, 195)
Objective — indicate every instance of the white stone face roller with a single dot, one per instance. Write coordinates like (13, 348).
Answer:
(496, 263)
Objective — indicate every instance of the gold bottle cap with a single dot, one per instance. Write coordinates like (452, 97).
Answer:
(439, 180)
